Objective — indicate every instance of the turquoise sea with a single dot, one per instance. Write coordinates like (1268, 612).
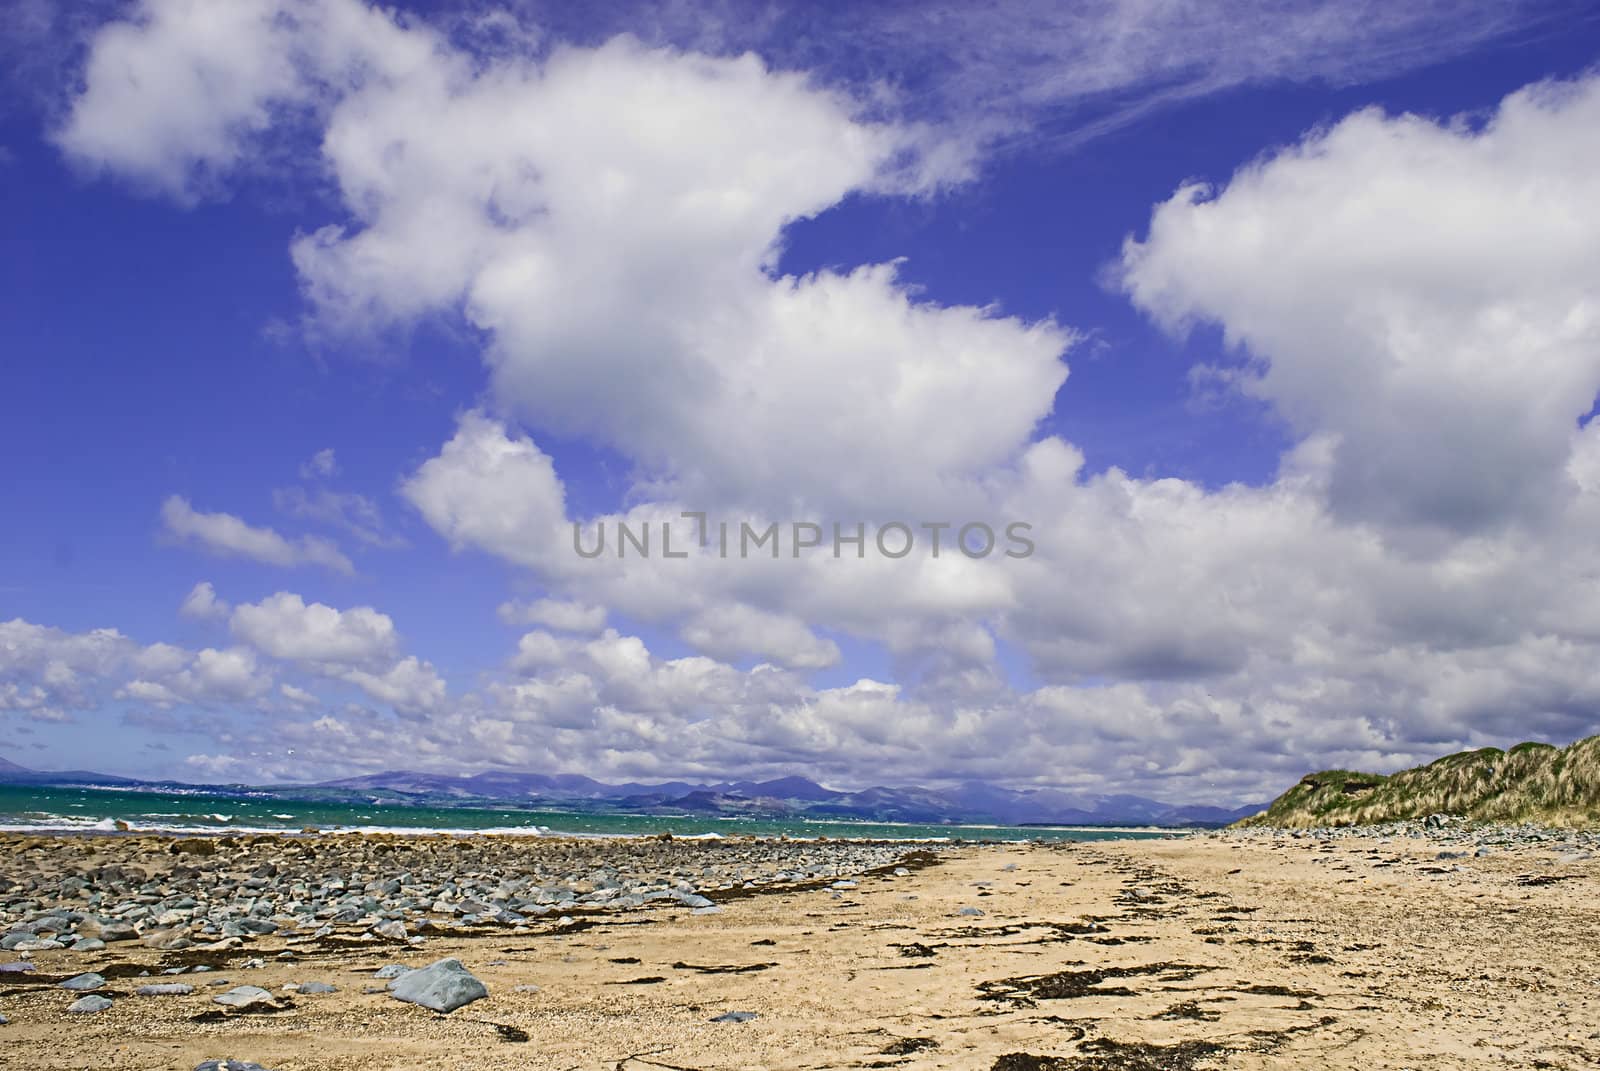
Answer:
(95, 810)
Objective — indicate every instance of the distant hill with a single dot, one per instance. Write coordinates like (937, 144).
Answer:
(785, 797)
(1537, 783)
(12, 774)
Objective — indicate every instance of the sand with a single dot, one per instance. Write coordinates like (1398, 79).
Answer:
(1198, 952)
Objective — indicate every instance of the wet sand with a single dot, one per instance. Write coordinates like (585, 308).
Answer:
(1214, 951)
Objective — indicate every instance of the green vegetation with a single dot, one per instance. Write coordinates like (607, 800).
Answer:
(1533, 782)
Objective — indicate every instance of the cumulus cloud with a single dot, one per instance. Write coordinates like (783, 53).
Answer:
(285, 626)
(227, 535)
(1419, 292)
(563, 616)
(359, 646)
(202, 603)
(729, 631)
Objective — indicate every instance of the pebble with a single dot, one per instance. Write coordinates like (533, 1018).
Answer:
(973, 911)
(734, 1017)
(316, 988)
(229, 1065)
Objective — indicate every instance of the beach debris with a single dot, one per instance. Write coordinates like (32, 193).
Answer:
(442, 987)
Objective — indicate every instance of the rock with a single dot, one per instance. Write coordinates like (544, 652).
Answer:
(973, 911)
(393, 970)
(246, 996)
(734, 1017)
(194, 846)
(84, 982)
(89, 944)
(394, 930)
(18, 967)
(168, 940)
(229, 1065)
(118, 931)
(901, 872)
(442, 987)
(89, 1005)
(164, 989)
(316, 988)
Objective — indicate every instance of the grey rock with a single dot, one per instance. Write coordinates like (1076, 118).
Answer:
(89, 1005)
(442, 987)
(84, 982)
(3, 1020)
(88, 944)
(19, 967)
(229, 1065)
(165, 989)
(973, 911)
(393, 970)
(245, 996)
(394, 930)
(118, 931)
(316, 988)
(734, 1017)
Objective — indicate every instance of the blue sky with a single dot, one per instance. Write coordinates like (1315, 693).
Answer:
(1289, 513)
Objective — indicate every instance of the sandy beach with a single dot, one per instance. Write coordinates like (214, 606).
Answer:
(1268, 950)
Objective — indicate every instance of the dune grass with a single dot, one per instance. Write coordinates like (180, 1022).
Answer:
(1532, 782)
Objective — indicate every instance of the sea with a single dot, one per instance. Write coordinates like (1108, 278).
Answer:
(113, 810)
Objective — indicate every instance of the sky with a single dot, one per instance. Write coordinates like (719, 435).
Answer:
(1262, 338)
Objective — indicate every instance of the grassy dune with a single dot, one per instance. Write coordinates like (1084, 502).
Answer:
(1532, 782)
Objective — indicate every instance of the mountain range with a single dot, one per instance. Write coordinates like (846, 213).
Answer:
(787, 797)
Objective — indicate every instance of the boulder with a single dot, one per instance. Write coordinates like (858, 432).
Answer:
(442, 987)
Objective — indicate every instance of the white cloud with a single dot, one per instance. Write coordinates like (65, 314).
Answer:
(227, 535)
(729, 631)
(353, 513)
(323, 465)
(1421, 293)
(493, 491)
(175, 97)
(202, 603)
(359, 646)
(556, 614)
(285, 626)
